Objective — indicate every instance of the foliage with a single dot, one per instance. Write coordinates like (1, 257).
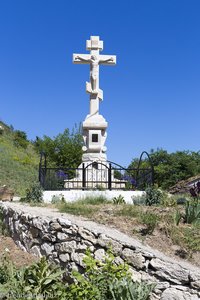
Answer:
(99, 281)
(150, 220)
(129, 290)
(63, 150)
(34, 193)
(102, 280)
(187, 237)
(118, 200)
(168, 200)
(192, 212)
(173, 167)
(3, 229)
(20, 139)
(139, 200)
(38, 280)
(18, 166)
(153, 196)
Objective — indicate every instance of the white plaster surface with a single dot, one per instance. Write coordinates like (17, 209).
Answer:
(75, 195)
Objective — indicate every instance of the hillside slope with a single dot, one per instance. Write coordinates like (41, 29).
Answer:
(18, 162)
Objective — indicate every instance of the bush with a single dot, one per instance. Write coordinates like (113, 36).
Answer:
(153, 196)
(34, 194)
(106, 281)
(150, 220)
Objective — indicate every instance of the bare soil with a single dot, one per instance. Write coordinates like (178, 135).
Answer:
(14, 253)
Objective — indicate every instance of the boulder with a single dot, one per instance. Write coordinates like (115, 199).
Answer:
(6, 194)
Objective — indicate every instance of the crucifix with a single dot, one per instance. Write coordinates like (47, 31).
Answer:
(94, 45)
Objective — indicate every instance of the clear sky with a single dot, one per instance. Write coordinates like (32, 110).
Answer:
(152, 95)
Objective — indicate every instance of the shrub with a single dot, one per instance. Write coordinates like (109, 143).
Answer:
(103, 281)
(34, 194)
(150, 220)
(153, 196)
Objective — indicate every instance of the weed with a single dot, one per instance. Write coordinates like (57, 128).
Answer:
(93, 200)
(119, 200)
(129, 210)
(150, 220)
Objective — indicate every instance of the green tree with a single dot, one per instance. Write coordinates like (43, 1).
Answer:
(63, 150)
(173, 167)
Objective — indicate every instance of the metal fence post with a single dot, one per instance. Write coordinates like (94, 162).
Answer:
(83, 176)
(110, 177)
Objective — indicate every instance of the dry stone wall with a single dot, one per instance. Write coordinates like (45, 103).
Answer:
(64, 240)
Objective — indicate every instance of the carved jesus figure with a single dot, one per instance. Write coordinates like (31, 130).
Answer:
(94, 68)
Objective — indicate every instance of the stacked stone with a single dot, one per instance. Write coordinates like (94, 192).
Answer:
(65, 243)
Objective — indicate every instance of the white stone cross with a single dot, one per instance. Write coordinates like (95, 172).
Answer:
(94, 59)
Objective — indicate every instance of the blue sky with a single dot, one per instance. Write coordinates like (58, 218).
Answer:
(152, 95)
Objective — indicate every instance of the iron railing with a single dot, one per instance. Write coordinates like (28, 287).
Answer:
(96, 175)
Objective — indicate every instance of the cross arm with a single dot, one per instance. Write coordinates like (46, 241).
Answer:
(81, 58)
(107, 59)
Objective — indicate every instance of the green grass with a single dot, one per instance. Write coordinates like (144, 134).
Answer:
(77, 209)
(18, 166)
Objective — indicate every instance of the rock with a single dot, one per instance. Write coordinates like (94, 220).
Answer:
(162, 285)
(106, 242)
(78, 258)
(64, 257)
(172, 272)
(68, 247)
(48, 237)
(34, 231)
(72, 230)
(100, 254)
(47, 248)
(64, 222)
(35, 250)
(62, 237)
(40, 224)
(134, 259)
(19, 244)
(55, 226)
(6, 194)
(87, 235)
(173, 294)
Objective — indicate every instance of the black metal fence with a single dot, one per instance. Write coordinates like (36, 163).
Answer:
(96, 175)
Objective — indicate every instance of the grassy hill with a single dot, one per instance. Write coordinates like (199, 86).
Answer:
(18, 160)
